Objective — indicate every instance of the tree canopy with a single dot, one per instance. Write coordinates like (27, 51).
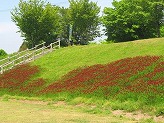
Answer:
(133, 19)
(84, 19)
(37, 20)
(127, 20)
(65, 22)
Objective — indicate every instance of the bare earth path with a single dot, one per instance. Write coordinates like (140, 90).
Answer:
(15, 111)
(27, 111)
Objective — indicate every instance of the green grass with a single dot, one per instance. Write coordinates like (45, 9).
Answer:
(60, 62)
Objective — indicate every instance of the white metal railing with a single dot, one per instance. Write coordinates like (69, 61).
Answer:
(27, 56)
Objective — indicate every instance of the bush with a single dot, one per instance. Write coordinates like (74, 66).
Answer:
(2, 53)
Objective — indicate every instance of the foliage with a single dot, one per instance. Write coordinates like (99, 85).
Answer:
(38, 21)
(130, 20)
(85, 20)
(65, 25)
(2, 53)
(162, 31)
(157, 15)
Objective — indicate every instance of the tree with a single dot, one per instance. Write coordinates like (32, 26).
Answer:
(85, 20)
(65, 25)
(38, 21)
(162, 31)
(157, 15)
(132, 19)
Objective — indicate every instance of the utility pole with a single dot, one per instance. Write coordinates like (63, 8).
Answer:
(70, 32)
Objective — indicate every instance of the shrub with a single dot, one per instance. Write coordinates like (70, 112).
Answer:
(2, 53)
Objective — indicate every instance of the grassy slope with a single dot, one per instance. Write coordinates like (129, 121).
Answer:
(60, 62)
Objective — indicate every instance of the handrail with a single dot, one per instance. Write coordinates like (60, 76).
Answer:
(18, 53)
(9, 57)
(35, 53)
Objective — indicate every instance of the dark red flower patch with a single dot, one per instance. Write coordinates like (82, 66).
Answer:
(142, 74)
(119, 76)
(17, 76)
(33, 86)
(156, 82)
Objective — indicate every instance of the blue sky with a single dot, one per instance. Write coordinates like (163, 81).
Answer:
(10, 40)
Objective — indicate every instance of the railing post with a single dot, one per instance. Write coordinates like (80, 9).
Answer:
(8, 58)
(27, 53)
(34, 55)
(13, 64)
(43, 48)
(59, 43)
(17, 56)
(24, 57)
(51, 47)
(44, 44)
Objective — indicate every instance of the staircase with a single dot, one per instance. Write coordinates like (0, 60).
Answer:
(27, 56)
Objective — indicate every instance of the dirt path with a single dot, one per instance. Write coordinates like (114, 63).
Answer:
(25, 111)
(138, 116)
(14, 111)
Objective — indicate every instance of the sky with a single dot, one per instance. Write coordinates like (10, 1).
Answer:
(10, 39)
